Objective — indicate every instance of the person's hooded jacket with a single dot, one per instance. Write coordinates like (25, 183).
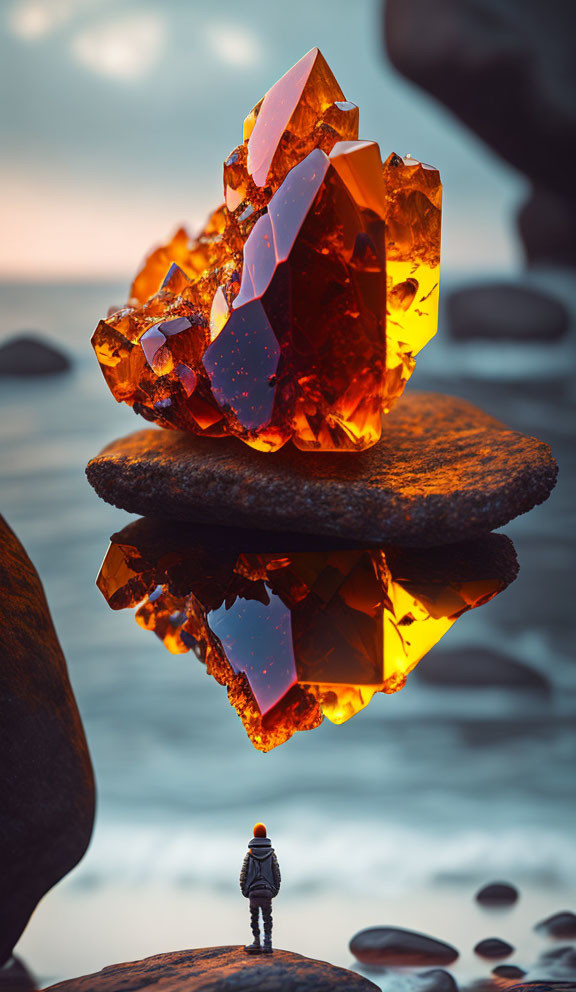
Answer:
(260, 869)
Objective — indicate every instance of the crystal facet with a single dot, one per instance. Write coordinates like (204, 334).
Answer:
(297, 312)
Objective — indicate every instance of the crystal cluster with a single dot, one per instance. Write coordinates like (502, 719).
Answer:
(297, 312)
(294, 635)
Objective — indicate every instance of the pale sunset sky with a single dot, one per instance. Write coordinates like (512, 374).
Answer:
(117, 115)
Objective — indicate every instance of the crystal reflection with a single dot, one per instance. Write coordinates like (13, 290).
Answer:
(297, 628)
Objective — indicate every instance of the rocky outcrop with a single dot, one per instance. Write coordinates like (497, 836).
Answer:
(221, 969)
(46, 782)
(504, 67)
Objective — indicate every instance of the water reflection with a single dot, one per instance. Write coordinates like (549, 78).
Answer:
(297, 628)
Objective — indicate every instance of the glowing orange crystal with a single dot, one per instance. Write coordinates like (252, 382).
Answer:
(298, 310)
(295, 635)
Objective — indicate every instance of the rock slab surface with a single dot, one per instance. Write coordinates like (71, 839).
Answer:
(220, 969)
(46, 782)
(443, 471)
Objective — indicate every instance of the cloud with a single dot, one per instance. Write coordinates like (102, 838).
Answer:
(234, 45)
(32, 19)
(124, 47)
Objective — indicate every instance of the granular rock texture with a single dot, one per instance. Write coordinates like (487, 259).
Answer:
(46, 783)
(443, 471)
(220, 969)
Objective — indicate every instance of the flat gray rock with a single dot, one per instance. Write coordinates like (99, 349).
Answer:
(443, 471)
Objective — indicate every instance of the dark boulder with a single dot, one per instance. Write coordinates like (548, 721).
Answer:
(221, 969)
(508, 971)
(479, 668)
(493, 947)
(46, 782)
(436, 980)
(558, 964)
(561, 925)
(505, 312)
(547, 228)
(395, 946)
(28, 355)
(497, 893)
(15, 977)
(506, 68)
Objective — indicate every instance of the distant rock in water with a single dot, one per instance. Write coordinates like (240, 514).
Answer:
(435, 980)
(29, 355)
(480, 668)
(561, 925)
(558, 964)
(46, 781)
(15, 977)
(395, 946)
(493, 947)
(497, 893)
(547, 227)
(221, 969)
(508, 971)
(505, 312)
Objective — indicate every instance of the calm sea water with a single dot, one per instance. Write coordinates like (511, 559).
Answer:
(439, 784)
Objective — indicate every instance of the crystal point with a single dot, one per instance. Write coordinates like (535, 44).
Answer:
(298, 310)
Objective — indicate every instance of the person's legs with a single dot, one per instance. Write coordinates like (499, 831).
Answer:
(267, 920)
(255, 947)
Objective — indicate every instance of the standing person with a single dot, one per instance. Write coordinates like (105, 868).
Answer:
(260, 883)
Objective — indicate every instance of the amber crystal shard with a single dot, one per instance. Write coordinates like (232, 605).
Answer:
(297, 312)
(296, 635)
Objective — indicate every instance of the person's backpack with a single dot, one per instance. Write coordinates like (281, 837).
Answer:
(258, 878)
